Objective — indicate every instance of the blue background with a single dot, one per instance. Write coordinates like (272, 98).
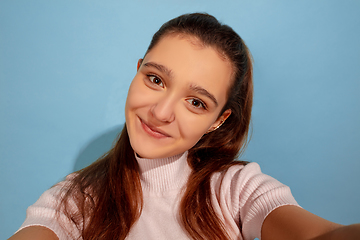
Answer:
(65, 67)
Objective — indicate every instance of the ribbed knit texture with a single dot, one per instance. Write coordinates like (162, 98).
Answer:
(164, 174)
(242, 197)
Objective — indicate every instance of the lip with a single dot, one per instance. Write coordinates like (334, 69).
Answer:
(152, 130)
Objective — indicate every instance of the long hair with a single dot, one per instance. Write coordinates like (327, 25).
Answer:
(108, 192)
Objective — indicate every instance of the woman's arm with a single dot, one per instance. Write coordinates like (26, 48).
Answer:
(34, 233)
(291, 222)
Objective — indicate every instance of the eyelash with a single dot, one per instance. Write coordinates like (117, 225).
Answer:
(202, 104)
(150, 76)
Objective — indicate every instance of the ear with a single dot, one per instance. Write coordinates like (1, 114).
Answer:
(220, 120)
(139, 64)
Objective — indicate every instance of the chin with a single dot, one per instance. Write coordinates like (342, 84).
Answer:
(154, 153)
(151, 155)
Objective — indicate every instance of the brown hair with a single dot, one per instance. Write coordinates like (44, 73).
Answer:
(108, 192)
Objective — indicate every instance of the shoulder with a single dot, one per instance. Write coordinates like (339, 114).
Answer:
(246, 183)
(236, 175)
(237, 183)
(53, 195)
(249, 195)
(48, 213)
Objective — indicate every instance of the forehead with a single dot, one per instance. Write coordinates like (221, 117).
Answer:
(193, 63)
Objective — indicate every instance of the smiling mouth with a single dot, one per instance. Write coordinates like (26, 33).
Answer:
(153, 131)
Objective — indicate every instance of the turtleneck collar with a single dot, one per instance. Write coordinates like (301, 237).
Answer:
(164, 174)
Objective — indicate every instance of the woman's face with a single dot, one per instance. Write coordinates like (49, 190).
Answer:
(176, 97)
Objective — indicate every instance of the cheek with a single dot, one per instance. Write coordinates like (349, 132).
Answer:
(193, 128)
(136, 95)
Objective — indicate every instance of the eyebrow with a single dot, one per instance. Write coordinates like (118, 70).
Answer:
(204, 92)
(195, 88)
(159, 67)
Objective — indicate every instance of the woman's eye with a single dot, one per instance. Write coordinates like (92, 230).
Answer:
(196, 103)
(155, 80)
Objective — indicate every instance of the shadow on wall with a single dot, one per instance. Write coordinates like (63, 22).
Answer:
(97, 147)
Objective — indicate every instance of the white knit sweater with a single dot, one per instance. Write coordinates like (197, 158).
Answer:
(242, 196)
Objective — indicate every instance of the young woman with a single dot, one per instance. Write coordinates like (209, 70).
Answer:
(173, 172)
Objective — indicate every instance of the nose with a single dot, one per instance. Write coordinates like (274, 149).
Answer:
(163, 110)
